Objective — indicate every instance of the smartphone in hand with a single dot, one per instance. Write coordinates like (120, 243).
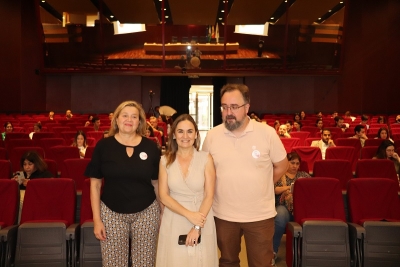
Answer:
(182, 240)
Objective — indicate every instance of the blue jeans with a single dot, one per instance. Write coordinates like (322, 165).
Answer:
(283, 216)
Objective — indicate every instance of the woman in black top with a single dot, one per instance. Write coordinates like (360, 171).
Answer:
(128, 162)
(32, 166)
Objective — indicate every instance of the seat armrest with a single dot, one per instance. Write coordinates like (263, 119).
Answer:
(295, 229)
(356, 230)
(72, 231)
(10, 232)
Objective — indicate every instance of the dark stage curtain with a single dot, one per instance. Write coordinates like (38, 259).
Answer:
(175, 93)
(218, 83)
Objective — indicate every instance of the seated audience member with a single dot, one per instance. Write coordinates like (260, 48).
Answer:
(277, 124)
(359, 131)
(284, 199)
(302, 115)
(32, 166)
(340, 123)
(68, 114)
(381, 120)
(320, 124)
(386, 151)
(296, 117)
(8, 128)
(105, 133)
(36, 129)
(282, 132)
(289, 126)
(325, 142)
(254, 116)
(297, 126)
(111, 116)
(96, 123)
(51, 116)
(334, 114)
(90, 118)
(364, 121)
(347, 115)
(80, 143)
(154, 123)
(383, 134)
(319, 114)
(397, 119)
(150, 133)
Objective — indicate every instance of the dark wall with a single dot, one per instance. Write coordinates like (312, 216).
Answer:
(21, 87)
(369, 82)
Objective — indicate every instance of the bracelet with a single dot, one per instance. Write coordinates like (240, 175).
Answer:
(196, 227)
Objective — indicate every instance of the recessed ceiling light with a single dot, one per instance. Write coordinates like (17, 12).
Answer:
(272, 17)
(220, 18)
(222, 10)
(165, 9)
(166, 17)
(111, 16)
(329, 10)
(319, 18)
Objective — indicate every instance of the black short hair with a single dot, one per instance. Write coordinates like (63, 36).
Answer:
(358, 128)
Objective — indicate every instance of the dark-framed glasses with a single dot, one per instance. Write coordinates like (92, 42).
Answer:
(233, 108)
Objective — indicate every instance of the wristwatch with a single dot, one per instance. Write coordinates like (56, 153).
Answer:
(198, 228)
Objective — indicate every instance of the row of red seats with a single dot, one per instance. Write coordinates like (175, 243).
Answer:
(321, 234)
(47, 226)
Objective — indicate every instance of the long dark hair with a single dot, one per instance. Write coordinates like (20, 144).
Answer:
(172, 148)
(35, 158)
(381, 153)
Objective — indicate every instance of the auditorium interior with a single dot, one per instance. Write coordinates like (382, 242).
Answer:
(313, 56)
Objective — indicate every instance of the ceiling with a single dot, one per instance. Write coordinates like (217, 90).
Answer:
(203, 12)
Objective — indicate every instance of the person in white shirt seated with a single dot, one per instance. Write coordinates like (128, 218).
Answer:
(36, 129)
(325, 142)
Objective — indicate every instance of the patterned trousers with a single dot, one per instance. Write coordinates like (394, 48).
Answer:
(141, 227)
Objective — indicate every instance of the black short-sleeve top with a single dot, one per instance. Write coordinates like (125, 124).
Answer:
(127, 180)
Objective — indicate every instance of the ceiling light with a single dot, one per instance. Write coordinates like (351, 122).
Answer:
(166, 17)
(43, 1)
(341, 2)
(222, 10)
(329, 10)
(319, 18)
(165, 9)
(220, 18)
(111, 16)
(272, 18)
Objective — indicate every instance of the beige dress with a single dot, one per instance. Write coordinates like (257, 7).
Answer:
(189, 193)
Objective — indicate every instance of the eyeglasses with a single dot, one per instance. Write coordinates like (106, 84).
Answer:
(233, 108)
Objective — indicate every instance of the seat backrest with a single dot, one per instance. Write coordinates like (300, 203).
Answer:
(17, 153)
(289, 143)
(336, 132)
(376, 168)
(368, 152)
(68, 136)
(96, 135)
(354, 142)
(75, 169)
(302, 135)
(47, 143)
(308, 154)
(5, 169)
(318, 198)
(61, 153)
(89, 152)
(16, 135)
(366, 202)
(3, 153)
(37, 137)
(13, 143)
(343, 152)
(9, 199)
(334, 168)
(49, 199)
(373, 142)
(52, 166)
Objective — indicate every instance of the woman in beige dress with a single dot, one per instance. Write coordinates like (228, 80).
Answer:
(186, 188)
